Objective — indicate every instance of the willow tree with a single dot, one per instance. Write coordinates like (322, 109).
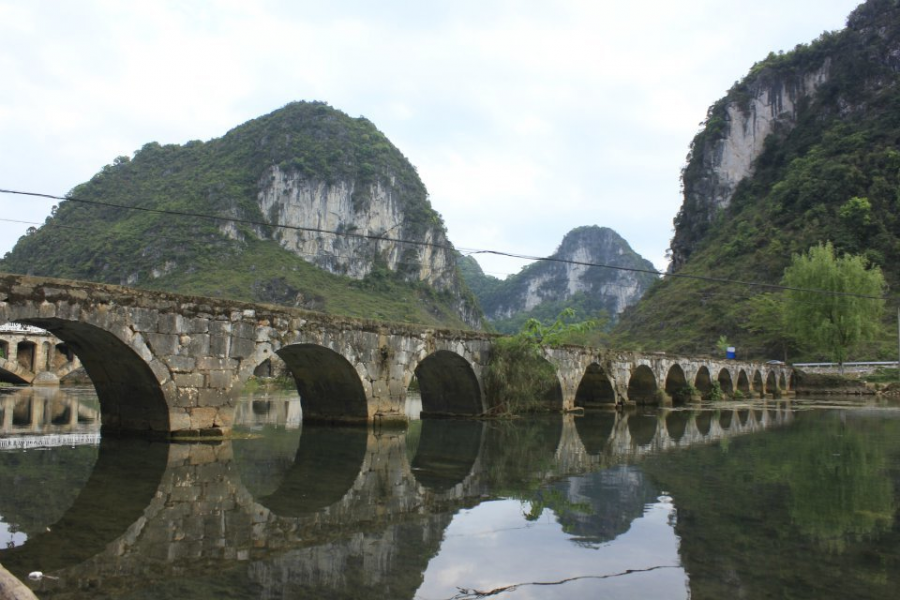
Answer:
(834, 303)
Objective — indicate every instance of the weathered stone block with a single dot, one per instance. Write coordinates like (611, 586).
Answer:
(160, 371)
(181, 364)
(220, 379)
(144, 319)
(162, 344)
(210, 396)
(220, 345)
(208, 363)
(242, 347)
(198, 325)
(179, 420)
(171, 323)
(219, 327)
(187, 396)
(203, 417)
(199, 345)
(189, 380)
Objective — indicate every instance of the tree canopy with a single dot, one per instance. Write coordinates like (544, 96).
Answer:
(834, 302)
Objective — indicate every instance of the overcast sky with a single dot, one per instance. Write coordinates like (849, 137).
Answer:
(524, 118)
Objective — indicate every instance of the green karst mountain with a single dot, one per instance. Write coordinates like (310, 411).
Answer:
(543, 289)
(288, 178)
(803, 150)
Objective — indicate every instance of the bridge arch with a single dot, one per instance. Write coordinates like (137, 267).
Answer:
(677, 386)
(703, 382)
(743, 383)
(330, 388)
(595, 389)
(131, 393)
(448, 385)
(772, 384)
(642, 387)
(758, 388)
(725, 382)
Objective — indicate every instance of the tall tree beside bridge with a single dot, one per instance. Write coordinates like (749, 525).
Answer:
(848, 313)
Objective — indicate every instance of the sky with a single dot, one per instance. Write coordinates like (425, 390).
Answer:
(525, 119)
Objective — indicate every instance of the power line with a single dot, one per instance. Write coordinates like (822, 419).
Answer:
(384, 238)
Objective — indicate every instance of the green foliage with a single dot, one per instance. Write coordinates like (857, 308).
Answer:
(833, 323)
(560, 332)
(766, 316)
(518, 379)
(715, 391)
(722, 344)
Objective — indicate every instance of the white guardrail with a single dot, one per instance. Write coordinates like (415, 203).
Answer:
(27, 442)
(889, 363)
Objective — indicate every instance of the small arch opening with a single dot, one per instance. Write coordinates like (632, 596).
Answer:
(595, 389)
(642, 388)
(330, 388)
(743, 383)
(725, 382)
(703, 382)
(772, 385)
(758, 389)
(448, 386)
(677, 386)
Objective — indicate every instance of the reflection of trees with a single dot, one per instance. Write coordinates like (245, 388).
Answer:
(838, 489)
(819, 492)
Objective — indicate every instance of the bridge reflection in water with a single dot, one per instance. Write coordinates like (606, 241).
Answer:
(346, 512)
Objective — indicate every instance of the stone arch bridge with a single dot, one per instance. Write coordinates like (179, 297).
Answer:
(172, 364)
(33, 356)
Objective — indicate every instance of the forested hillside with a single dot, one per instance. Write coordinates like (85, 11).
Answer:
(306, 207)
(801, 151)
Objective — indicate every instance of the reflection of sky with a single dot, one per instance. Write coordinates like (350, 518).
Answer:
(9, 539)
(493, 545)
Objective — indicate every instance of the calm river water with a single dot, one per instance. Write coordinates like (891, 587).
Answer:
(778, 499)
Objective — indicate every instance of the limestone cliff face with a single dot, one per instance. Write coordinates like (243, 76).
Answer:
(734, 136)
(312, 206)
(551, 283)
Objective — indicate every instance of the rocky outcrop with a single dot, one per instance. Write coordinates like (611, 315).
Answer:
(593, 263)
(733, 138)
(310, 208)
